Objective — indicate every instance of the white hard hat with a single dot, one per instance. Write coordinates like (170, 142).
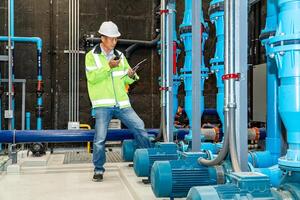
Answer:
(109, 29)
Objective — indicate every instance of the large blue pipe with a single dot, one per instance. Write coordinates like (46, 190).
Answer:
(186, 36)
(176, 51)
(270, 156)
(60, 136)
(39, 43)
(285, 47)
(216, 12)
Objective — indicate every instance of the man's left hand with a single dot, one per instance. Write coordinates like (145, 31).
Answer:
(131, 73)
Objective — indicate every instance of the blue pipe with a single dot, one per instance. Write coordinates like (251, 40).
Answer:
(39, 108)
(12, 18)
(38, 41)
(274, 173)
(270, 156)
(61, 136)
(176, 79)
(186, 36)
(285, 48)
(217, 18)
(27, 127)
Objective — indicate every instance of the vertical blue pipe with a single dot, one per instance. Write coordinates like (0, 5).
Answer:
(12, 33)
(39, 44)
(176, 78)
(273, 141)
(216, 12)
(0, 107)
(28, 115)
(285, 48)
(39, 108)
(12, 18)
(186, 37)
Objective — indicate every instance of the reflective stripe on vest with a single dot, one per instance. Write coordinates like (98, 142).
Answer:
(119, 73)
(90, 68)
(110, 102)
(97, 60)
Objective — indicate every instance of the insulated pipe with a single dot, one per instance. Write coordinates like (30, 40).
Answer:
(163, 67)
(170, 31)
(57, 136)
(10, 78)
(229, 100)
(223, 152)
(230, 93)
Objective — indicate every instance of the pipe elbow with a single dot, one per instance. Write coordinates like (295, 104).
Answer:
(39, 43)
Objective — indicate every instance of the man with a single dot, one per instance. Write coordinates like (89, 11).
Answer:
(108, 72)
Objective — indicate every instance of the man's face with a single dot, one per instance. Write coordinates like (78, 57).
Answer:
(109, 42)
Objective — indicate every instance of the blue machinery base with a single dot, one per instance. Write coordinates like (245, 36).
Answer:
(246, 186)
(174, 178)
(145, 158)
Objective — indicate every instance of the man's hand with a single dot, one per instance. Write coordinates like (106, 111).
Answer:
(130, 73)
(113, 63)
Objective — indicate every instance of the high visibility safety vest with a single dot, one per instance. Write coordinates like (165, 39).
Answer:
(106, 86)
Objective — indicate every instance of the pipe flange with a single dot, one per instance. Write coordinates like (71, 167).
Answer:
(185, 29)
(290, 190)
(283, 43)
(188, 29)
(217, 7)
(266, 35)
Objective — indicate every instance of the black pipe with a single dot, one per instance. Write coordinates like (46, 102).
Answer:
(130, 49)
(92, 41)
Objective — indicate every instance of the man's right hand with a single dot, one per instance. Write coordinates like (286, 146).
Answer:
(113, 63)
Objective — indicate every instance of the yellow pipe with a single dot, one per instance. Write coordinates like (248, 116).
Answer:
(86, 126)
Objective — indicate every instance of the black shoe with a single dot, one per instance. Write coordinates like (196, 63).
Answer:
(98, 177)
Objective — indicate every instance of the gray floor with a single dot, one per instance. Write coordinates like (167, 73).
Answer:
(48, 178)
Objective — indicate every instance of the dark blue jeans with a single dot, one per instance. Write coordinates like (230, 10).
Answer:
(129, 118)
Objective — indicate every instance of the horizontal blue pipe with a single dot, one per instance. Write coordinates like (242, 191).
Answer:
(274, 173)
(60, 136)
(36, 40)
